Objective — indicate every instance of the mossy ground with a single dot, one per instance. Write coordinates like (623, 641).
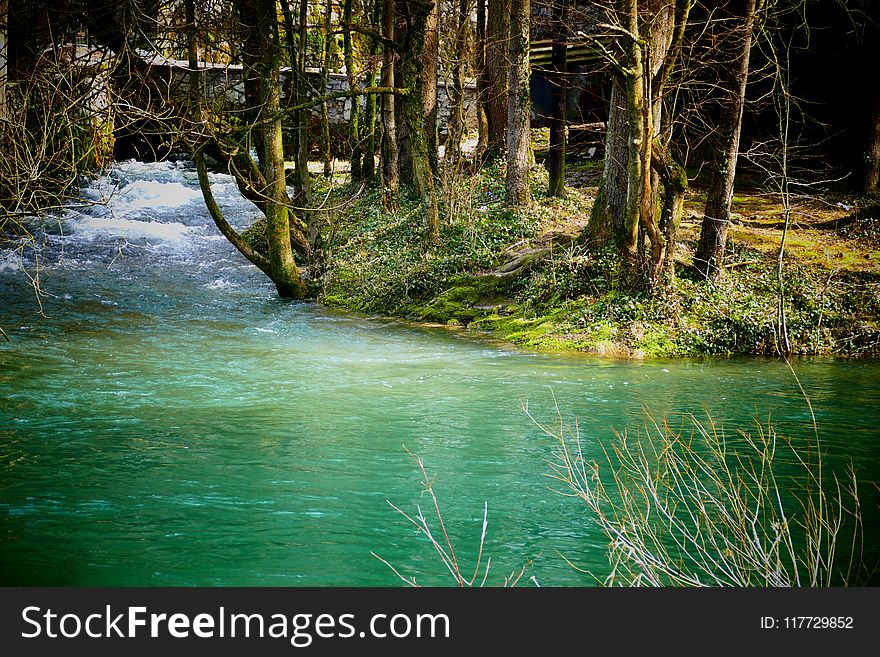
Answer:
(375, 262)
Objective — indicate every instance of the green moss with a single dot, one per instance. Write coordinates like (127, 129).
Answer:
(566, 300)
(256, 236)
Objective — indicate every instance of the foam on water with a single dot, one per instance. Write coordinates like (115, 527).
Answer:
(11, 260)
(89, 227)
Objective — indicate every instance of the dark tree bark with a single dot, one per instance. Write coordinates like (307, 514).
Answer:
(519, 106)
(559, 85)
(483, 81)
(872, 179)
(734, 73)
(296, 51)
(403, 18)
(390, 165)
(497, 67)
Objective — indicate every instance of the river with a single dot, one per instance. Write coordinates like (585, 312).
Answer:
(166, 420)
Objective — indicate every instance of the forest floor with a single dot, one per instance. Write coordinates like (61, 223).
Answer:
(522, 276)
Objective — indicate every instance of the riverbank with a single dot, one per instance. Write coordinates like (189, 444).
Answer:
(523, 277)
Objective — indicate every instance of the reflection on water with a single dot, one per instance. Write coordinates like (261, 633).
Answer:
(170, 422)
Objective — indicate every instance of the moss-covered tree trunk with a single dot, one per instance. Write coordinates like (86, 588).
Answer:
(636, 159)
(390, 165)
(284, 271)
(733, 76)
(558, 100)
(279, 265)
(519, 106)
(369, 163)
(413, 103)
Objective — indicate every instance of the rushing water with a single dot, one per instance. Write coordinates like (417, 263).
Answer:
(168, 421)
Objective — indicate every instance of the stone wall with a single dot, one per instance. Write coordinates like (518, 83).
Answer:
(223, 85)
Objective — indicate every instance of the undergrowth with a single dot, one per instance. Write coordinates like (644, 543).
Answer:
(376, 264)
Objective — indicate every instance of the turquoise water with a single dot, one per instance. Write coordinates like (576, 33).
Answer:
(168, 421)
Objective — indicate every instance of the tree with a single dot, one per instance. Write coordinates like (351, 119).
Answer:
(279, 265)
(413, 79)
(326, 154)
(456, 97)
(431, 61)
(496, 75)
(4, 17)
(647, 41)
(733, 70)
(483, 80)
(390, 165)
(519, 105)
(369, 162)
(872, 179)
(559, 91)
(354, 137)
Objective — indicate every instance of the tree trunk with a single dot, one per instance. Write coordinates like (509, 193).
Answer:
(872, 179)
(354, 136)
(431, 59)
(285, 273)
(414, 109)
(4, 21)
(280, 265)
(606, 218)
(558, 102)
(497, 65)
(652, 32)
(369, 163)
(404, 144)
(390, 166)
(519, 106)
(326, 155)
(483, 80)
(636, 180)
(709, 256)
(456, 98)
(302, 194)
